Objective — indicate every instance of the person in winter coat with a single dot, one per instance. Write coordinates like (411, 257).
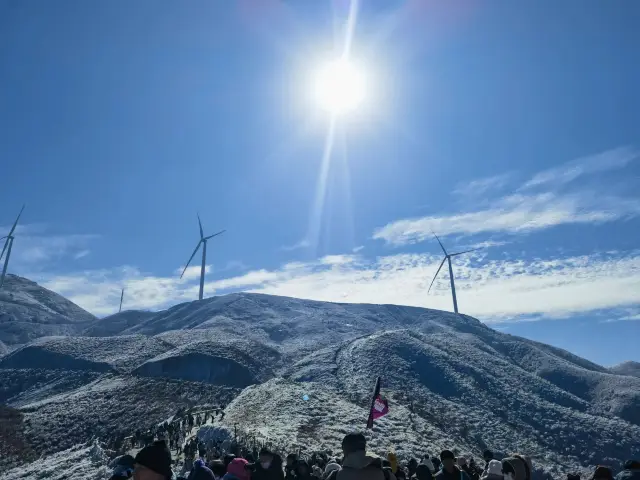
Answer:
(493, 471)
(412, 466)
(303, 470)
(631, 471)
(423, 472)
(290, 467)
(238, 469)
(450, 471)
(218, 468)
(428, 463)
(153, 462)
(602, 473)
(488, 456)
(517, 467)
(269, 467)
(357, 465)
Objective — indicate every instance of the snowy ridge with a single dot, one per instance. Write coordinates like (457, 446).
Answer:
(29, 311)
(452, 381)
(627, 368)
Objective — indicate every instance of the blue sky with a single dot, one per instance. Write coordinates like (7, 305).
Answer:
(509, 125)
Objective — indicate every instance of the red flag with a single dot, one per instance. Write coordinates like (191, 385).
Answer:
(379, 405)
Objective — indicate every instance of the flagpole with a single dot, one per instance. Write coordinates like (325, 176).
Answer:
(376, 392)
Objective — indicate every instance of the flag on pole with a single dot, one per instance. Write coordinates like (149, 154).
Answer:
(379, 405)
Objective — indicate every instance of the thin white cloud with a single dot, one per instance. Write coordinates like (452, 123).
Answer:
(304, 243)
(570, 171)
(517, 213)
(358, 249)
(34, 247)
(81, 254)
(192, 272)
(491, 290)
(625, 318)
(481, 186)
(538, 204)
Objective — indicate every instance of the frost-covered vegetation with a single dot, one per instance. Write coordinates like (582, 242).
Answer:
(452, 381)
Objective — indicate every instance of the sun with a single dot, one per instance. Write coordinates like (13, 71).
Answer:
(339, 86)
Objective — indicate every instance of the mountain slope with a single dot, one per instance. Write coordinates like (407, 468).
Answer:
(627, 368)
(452, 381)
(29, 311)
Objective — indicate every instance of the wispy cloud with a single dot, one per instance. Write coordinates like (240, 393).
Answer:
(192, 272)
(34, 247)
(527, 210)
(628, 315)
(491, 290)
(481, 186)
(358, 249)
(513, 214)
(81, 254)
(304, 243)
(570, 171)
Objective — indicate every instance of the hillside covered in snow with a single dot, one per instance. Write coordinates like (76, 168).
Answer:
(452, 382)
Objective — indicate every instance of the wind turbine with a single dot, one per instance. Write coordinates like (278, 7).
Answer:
(121, 298)
(7, 247)
(203, 242)
(447, 257)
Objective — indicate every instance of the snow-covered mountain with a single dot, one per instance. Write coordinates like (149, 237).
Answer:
(29, 311)
(452, 381)
(627, 368)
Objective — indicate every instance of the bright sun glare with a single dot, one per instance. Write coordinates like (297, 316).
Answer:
(339, 87)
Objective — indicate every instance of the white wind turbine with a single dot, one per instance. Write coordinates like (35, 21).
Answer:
(447, 257)
(8, 244)
(203, 242)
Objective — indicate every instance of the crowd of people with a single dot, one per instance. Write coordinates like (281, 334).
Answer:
(154, 462)
(176, 432)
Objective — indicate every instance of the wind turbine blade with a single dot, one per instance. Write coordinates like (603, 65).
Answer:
(4, 248)
(215, 234)
(16, 222)
(466, 251)
(434, 277)
(441, 246)
(191, 258)
(200, 225)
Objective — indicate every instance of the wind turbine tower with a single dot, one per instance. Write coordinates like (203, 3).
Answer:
(8, 244)
(447, 257)
(203, 242)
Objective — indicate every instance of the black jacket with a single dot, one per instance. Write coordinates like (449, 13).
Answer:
(274, 472)
(456, 475)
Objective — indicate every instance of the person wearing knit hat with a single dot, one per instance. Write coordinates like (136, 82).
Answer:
(602, 473)
(450, 470)
(201, 472)
(153, 462)
(237, 470)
